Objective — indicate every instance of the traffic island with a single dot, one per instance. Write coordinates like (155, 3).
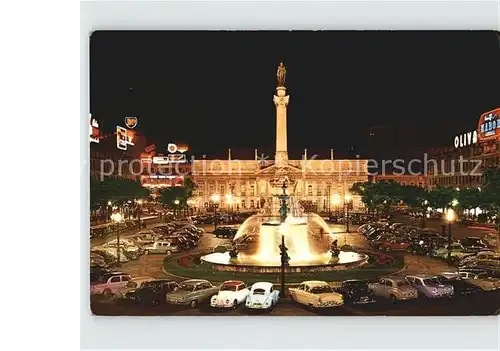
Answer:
(191, 266)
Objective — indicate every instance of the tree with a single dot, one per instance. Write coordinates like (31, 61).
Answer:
(468, 199)
(490, 197)
(378, 196)
(417, 198)
(441, 198)
(176, 197)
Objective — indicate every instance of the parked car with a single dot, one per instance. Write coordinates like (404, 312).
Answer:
(231, 294)
(225, 232)
(153, 292)
(481, 280)
(262, 296)
(482, 255)
(110, 284)
(458, 252)
(394, 289)
(192, 292)
(97, 272)
(393, 244)
(356, 291)
(473, 244)
(460, 286)
(316, 294)
(161, 247)
(430, 286)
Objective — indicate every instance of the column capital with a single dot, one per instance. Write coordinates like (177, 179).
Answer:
(281, 101)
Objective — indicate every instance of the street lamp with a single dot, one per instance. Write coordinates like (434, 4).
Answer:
(336, 202)
(117, 218)
(229, 201)
(450, 217)
(176, 203)
(283, 249)
(139, 210)
(215, 200)
(347, 200)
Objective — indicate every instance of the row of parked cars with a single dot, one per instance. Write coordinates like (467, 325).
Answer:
(263, 295)
(162, 239)
(102, 230)
(471, 252)
(224, 218)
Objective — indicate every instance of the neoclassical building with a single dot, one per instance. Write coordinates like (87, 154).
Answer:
(319, 185)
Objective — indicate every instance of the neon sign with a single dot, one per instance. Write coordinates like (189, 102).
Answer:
(94, 131)
(124, 138)
(489, 124)
(466, 139)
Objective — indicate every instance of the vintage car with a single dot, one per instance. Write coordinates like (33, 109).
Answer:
(192, 292)
(262, 296)
(393, 244)
(231, 294)
(430, 286)
(356, 291)
(473, 244)
(395, 289)
(151, 292)
(481, 280)
(460, 286)
(161, 247)
(316, 294)
(482, 255)
(458, 252)
(110, 284)
(225, 232)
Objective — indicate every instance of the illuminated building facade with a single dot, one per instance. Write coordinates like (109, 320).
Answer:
(462, 164)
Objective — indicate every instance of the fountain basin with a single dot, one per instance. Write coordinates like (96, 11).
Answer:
(254, 264)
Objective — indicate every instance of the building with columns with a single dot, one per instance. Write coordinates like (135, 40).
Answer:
(319, 185)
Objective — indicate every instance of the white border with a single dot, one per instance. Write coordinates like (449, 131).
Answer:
(276, 332)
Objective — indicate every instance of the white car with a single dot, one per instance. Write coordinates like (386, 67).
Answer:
(395, 289)
(231, 294)
(262, 296)
(316, 294)
(482, 255)
(112, 252)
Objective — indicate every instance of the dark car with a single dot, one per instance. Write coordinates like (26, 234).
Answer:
(473, 244)
(356, 292)
(151, 293)
(460, 287)
(225, 232)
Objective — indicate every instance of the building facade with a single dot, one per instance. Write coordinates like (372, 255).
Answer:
(462, 164)
(256, 183)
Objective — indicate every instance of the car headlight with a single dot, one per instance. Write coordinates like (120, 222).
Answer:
(434, 291)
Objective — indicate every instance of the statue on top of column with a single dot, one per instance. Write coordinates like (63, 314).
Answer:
(281, 74)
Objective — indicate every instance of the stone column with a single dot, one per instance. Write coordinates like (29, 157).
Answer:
(281, 102)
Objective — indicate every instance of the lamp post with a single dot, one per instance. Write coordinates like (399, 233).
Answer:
(176, 209)
(117, 218)
(229, 201)
(336, 202)
(139, 210)
(215, 201)
(347, 200)
(283, 249)
(450, 217)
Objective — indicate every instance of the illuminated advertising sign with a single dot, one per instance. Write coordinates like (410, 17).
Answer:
(94, 131)
(131, 122)
(124, 138)
(160, 160)
(489, 124)
(146, 160)
(177, 158)
(466, 139)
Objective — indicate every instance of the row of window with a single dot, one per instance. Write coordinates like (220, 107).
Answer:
(466, 180)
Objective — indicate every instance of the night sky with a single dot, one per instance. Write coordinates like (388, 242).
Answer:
(213, 90)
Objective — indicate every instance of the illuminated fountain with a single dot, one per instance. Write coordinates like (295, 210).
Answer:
(307, 237)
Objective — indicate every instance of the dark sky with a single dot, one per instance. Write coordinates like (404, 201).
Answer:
(213, 90)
